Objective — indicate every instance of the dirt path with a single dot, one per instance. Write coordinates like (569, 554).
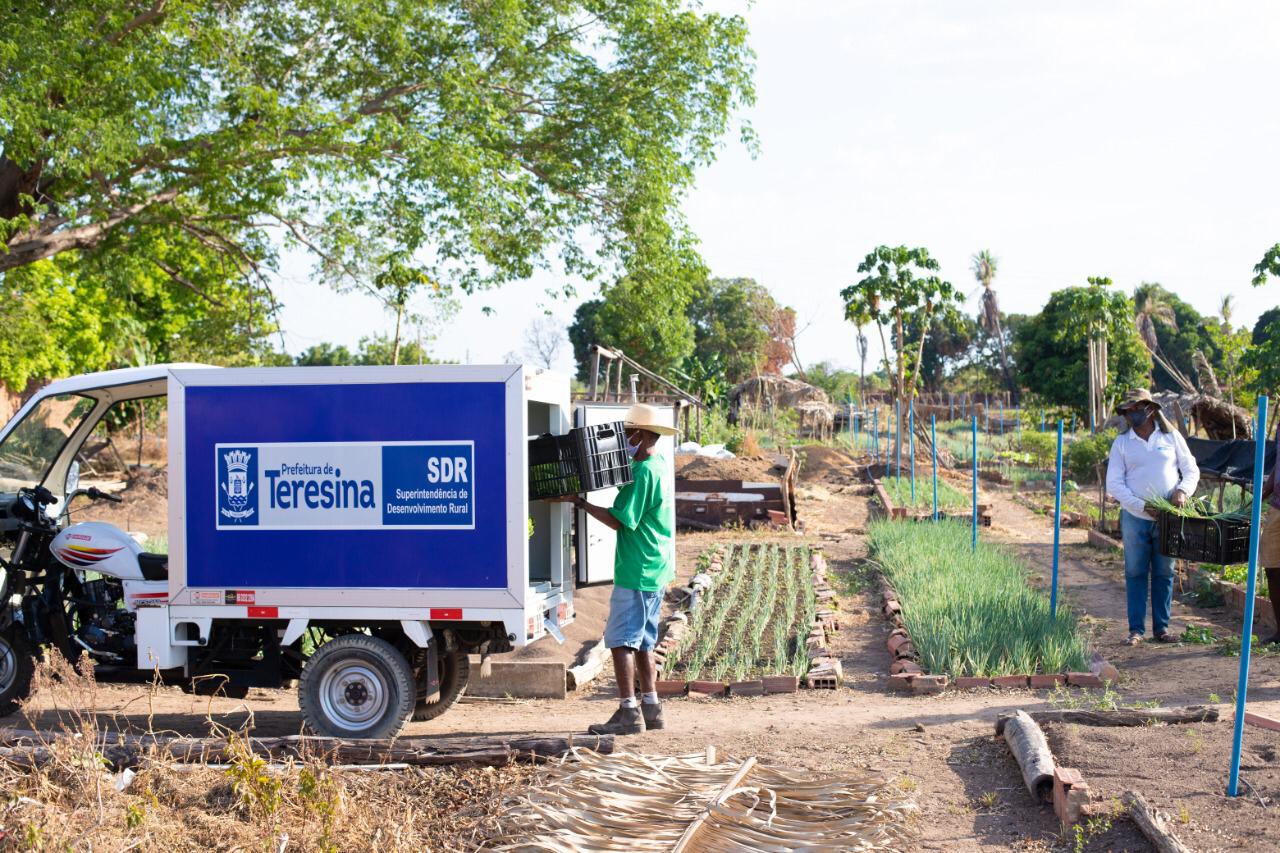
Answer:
(941, 748)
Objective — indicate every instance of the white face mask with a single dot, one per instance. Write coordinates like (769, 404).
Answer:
(632, 448)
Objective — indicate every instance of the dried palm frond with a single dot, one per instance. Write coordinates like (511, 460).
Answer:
(1205, 375)
(632, 802)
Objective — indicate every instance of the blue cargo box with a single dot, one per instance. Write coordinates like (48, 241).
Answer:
(367, 487)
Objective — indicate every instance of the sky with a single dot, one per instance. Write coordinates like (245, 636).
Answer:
(1136, 140)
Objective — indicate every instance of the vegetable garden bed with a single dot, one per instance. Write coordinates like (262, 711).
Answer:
(759, 624)
(972, 614)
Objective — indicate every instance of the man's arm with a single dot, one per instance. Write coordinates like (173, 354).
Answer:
(1117, 487)
(599, 513)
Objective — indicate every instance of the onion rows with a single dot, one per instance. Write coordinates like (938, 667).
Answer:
(973, 612)
(949, 497)
(753, 620)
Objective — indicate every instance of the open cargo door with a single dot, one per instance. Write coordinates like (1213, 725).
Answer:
(595, 541)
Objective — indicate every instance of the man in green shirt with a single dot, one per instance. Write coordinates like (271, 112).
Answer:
(644, 517)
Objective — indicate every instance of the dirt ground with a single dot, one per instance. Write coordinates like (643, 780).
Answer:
(941, 749)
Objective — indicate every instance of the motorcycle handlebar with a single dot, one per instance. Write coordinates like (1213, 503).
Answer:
(96, 494)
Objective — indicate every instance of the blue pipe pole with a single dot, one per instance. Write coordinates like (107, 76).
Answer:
(911, 437)
(975, 483)
(1251, 585)
(1042, 420)
(875, 437)
(933, 440)
(1057, 527)
(1002, 415)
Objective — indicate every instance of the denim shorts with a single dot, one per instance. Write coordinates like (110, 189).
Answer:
(633, 619)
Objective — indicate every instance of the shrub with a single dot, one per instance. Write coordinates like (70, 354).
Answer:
(1086, 453)
(1042, 446)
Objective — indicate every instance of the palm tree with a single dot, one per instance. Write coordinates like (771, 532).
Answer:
(984, 270)
(1151, 307)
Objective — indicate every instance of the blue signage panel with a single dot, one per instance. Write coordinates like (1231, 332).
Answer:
(399, 485)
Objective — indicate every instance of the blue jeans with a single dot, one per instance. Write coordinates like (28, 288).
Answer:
(1143, 561)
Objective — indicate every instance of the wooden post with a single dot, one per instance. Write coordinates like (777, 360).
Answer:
(595, 371)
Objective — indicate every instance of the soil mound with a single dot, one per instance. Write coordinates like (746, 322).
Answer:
(750, 468)
(826, 464)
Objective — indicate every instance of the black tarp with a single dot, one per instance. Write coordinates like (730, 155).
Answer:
(1229, 460)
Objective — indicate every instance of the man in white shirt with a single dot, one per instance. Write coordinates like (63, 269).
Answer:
(1148, 460)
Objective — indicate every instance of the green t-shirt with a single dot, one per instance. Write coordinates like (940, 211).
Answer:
(646, 554)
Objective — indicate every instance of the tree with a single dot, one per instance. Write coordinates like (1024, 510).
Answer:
(984, 266)
(583, 332)
(1263, 358)
(1178, 330)
(1052, 347)
(475, 138)
(372, 350)
(542, 341)
(647, 319)
(899, 287)
(731, 323)
(949, 343)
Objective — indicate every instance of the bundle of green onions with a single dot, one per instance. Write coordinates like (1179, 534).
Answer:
(1200, 508)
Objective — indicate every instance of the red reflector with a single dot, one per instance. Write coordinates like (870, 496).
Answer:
(263, 612)
(446, 613)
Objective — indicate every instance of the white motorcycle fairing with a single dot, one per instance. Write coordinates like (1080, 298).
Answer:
(99, 547)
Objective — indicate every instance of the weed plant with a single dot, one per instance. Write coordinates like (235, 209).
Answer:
(973, 612)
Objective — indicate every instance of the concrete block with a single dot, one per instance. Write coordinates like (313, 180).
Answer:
(519, 680)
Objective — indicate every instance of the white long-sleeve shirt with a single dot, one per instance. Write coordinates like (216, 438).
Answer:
(1139, 470)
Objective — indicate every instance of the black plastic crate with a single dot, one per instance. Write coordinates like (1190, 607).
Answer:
(585, 460)
(1204, 540)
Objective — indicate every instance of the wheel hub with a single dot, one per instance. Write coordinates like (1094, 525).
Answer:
(354, 694)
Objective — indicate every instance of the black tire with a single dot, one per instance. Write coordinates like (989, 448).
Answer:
(16, 668)
(356, 686)
(455, 672)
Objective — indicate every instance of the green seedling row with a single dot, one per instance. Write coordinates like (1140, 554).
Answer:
(973, 612)
(949, 497)
(754, 619)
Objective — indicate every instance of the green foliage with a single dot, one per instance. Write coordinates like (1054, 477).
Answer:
(716, 429)
(731, 320)
(949, 497)
(1084, 454)
(972, 612)
(1052, 346)
(710, 332)
(900, 288)
(374, 349)
(1042, 447)
(1190, 331)
(477, 140)
(79, 313)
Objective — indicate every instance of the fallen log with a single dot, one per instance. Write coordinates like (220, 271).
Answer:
(1154, 825)
(29, 748)
(1031, 750)
(1121, 716)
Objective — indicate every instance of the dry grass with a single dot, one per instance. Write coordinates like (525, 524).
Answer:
(71, 799)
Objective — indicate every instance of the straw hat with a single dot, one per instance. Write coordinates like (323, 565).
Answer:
(647, 417)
